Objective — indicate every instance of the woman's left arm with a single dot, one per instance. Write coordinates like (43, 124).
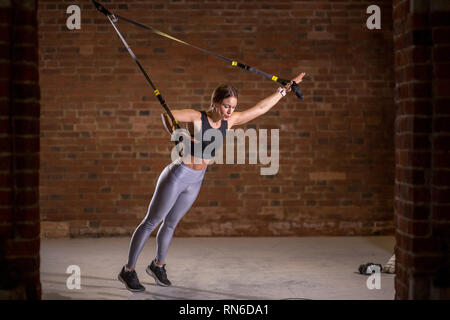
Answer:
(262, 106)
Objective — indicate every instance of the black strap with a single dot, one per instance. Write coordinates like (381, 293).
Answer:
(284, 82)
(113, 19)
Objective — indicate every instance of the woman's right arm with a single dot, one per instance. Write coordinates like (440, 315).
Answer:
(184, 115)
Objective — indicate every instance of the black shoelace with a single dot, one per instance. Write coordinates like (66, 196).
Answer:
(132, 277)
(162, 272)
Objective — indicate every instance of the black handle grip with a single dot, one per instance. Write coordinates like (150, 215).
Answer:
(297, 90)
(294, 87)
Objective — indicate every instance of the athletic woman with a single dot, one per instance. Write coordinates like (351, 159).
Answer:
(179, 183)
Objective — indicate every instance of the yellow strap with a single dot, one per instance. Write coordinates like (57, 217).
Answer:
(156, 92)
(234, 63)
(274, 78)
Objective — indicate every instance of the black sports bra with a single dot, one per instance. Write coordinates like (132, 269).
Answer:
(204, 143)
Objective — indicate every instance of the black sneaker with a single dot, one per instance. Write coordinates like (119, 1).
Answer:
(130, 280)
(159, 274)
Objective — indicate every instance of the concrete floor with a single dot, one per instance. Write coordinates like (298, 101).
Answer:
(222, 268)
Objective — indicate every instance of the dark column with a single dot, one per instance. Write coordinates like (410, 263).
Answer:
(19, 154)
(422, 140)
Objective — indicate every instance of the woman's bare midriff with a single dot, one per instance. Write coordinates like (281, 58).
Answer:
(196, 163)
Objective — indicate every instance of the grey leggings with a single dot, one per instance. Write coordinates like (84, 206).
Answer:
(175, 192)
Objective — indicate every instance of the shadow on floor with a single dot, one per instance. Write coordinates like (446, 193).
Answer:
(173, 292)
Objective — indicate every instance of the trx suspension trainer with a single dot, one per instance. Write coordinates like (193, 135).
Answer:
(113, 18)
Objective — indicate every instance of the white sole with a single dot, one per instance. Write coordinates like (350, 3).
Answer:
(151, 274)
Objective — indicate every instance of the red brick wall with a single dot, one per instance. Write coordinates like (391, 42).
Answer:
(103, 146)
(422, 141)
(19, 154)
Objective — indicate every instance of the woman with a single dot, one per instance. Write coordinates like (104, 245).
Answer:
(180, 182)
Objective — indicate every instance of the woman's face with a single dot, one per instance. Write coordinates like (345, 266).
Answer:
(227, 107)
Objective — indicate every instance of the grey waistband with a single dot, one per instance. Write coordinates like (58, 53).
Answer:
(184, 173)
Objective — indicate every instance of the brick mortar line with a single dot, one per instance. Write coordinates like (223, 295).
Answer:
(23, 171)
(27, 223)
(25, 82)
(28, 136)
(23, 153)
(412, 236)
(21, 118)
(25, 45)
(433, 186)
(36, 205)
(421, 134)
(401, 200)
(441, 115)
(412, 81)
(24, 100)
(35, 188)
(412, 220)
(409, 99)
(421, 168)
(22, 61)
